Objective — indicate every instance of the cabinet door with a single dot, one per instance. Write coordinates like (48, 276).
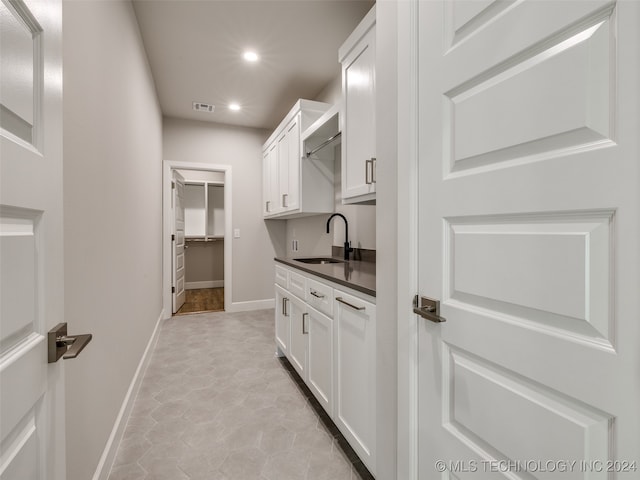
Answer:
(320, 368)
(283, 171)
(270, 181)
(292, 201)
(289, 166)
(358, 135)
(283, 311)
(299, 336)
(354, 373)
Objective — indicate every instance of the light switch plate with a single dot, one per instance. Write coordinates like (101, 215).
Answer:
(236, 233)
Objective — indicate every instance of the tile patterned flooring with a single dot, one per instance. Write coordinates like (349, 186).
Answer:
(216, 404)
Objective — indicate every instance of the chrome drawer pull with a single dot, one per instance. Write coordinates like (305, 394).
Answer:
(316, 294)
(341, 300)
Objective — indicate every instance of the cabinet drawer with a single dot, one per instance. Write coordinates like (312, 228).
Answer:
(282, 277)
(297, 284)
(320, 296)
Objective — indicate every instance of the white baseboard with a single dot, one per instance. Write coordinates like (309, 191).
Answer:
(250, 305)
(205, 284)
(111, 448)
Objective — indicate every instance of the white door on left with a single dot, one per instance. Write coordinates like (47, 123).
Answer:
(32, 404)
(177, 288)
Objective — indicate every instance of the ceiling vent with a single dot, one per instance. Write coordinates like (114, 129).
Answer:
(203, 107)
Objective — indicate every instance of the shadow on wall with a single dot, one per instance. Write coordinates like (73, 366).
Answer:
(278, 236)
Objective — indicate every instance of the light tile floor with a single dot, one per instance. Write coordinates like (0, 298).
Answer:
(216, 404)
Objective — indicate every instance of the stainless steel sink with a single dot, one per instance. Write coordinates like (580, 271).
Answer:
(319, 260)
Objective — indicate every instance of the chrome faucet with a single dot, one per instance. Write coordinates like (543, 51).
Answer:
(347, 244)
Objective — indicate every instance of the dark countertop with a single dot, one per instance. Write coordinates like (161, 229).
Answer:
(360, 276)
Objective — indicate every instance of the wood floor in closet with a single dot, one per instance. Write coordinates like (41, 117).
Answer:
(203, 300)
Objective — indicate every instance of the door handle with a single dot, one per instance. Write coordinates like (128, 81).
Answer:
(373, 169)
(428, 308)
(367, 178)
(66, 346)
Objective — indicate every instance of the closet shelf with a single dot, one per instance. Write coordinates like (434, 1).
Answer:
(204, 239)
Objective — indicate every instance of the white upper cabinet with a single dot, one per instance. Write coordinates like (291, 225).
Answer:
(270, 180)
(290, 180)
(358, 58)
(289, 166)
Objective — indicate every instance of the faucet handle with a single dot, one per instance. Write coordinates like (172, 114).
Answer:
(347, 249)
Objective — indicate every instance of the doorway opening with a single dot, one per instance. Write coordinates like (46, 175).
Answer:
(197, 246)
(199, 253)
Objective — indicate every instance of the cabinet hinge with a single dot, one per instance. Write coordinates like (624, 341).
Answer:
(173, 289)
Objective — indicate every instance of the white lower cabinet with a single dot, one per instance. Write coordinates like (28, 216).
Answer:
(282, 320)
(335, 357)
(299, 335)
(320, 368)
(354, 353)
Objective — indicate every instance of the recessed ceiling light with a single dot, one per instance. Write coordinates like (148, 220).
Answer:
(250, 56)
(234, 106)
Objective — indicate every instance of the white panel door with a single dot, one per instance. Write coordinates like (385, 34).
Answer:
(266, 183)
(529, 212)
(320, 368)
(359, 134)
(354, 347)
(32, 402)
(178, 241)
(273, 170)
(283, 319)
(292, 200)
(299, 338)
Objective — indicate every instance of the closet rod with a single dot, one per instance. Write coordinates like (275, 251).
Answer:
(323, 144)
(203, 239)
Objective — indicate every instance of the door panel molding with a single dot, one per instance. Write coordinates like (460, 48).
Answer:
(483, 401)
(570, 103)
(485, 272)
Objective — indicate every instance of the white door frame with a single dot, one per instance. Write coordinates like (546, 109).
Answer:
(407, 240)
(167, 220)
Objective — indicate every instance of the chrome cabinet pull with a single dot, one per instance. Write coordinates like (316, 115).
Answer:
(267, 205)
(367, 172)
(305, 331)
(315, 294)
(373, 170)
(285, 303)
(341, 300)
(285, 197)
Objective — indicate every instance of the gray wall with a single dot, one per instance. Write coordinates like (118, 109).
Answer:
(260, 241)
(204, 261)
(112, 217)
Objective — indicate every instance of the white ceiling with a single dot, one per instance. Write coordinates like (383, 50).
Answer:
(195, 52)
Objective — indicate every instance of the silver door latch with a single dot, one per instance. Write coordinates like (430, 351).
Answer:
(428, 308)
(66, 346)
